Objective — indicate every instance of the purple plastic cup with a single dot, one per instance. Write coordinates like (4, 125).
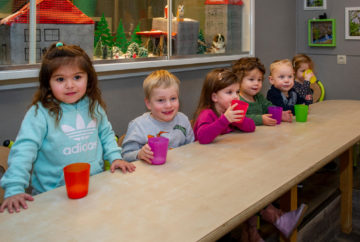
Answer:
(276, 113)
(159, 146)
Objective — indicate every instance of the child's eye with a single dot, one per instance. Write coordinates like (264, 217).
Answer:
(237, 91)
(173, 99)
(281, 76)
(160, 100)
(60, 79)
(77, 77)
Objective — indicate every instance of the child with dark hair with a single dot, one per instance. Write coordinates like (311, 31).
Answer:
(66, 123)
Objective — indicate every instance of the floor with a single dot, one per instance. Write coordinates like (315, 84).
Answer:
(316, 191)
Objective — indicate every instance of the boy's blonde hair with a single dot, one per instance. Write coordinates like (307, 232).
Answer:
(159, 78)
(277, 63)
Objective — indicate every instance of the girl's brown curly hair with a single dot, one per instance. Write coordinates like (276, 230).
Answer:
(55, 57)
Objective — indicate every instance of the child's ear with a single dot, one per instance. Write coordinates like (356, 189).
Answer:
(271, 80)
(147, 103)
(214, 97)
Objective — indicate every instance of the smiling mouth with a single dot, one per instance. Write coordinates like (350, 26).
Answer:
(168, 112)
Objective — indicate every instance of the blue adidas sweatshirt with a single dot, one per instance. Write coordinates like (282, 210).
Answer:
(48, 147)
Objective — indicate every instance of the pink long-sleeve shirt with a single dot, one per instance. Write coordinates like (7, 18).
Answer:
(208, 126)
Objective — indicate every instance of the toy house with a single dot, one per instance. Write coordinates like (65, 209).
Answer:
(57, 20)
(224, 17)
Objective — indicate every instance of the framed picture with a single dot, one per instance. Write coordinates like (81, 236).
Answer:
(352, 23)
(314, 4)
(321, 32)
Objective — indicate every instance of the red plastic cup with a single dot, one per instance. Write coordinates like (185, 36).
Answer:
(159, 146)
(241, 105)
(77, 179)
(276, 113)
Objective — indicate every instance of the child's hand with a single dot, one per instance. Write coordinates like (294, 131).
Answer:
(233, 115)
(14, 202)
(308, 75)
(268, 120)
(308, 97)
(287, 116)
(146, 154)
(123, 165)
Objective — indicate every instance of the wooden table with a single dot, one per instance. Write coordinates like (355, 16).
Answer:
(203, 191)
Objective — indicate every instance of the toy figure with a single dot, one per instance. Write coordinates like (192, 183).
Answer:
(218, 45)
(180, 13)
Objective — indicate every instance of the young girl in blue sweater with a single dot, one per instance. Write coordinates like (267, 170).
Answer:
(66, 123)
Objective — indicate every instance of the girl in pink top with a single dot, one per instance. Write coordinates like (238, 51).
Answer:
(215, 115)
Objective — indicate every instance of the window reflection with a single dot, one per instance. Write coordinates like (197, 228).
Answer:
(121, 30)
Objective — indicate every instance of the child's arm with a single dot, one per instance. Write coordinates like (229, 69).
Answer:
(145, 154)
(209, 126)
(134, 141)
(111, 150)
(22, 154)
(247, 125)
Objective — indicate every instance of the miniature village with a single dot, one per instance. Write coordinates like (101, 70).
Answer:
(219, 35)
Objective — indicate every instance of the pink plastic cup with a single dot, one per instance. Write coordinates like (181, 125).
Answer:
(159, 146)
(77, 179)
(276, 113)
(241, 105)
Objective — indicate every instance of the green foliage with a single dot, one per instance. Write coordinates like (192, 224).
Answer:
(102, 31)
(201, 49)
(134, 37)
(132, 49)
(354, 29)
(143, 52)
(98, 52)
(120, 38)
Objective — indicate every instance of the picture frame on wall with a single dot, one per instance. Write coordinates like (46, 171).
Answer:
(322, 32)
(352, 23)
(314, 4)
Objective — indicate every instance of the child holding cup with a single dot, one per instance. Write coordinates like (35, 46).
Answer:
(250, 72)
(282, 93)
(66, 123)
(303, 67)
(215, 113)
(161, 89)
(214, 116)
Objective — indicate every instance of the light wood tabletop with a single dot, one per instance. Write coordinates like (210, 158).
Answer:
(202, 191)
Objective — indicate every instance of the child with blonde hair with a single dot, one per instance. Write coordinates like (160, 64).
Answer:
(301, 64)
(66, 123)
(161, 89)
(282, 93)
(250, 72)
(215, 115)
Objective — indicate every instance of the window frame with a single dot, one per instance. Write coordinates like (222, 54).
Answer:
(14, 73)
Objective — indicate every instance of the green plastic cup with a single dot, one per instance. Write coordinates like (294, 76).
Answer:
(301, 112)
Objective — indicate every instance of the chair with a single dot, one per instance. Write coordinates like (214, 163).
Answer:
(4, 152)
(318, 91)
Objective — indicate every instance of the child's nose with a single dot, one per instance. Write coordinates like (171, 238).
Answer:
(68, 84)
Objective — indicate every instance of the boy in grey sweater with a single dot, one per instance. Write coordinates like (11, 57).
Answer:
(161, 89)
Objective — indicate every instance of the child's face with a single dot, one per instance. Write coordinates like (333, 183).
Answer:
(163, 103)
(68, 83)
(251, 84)
(222, 98)
(300, 72)
(283, 78)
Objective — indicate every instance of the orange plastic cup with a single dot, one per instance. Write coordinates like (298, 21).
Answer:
(77, 179)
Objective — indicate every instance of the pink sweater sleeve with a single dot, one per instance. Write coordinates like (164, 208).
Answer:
(247, 125)
(208, 126)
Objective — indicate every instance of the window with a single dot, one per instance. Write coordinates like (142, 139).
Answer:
(26, 35)
(120, 31)
(51, 34)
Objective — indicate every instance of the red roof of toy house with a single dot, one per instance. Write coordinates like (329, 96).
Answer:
(226, 2)
(50, 12)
